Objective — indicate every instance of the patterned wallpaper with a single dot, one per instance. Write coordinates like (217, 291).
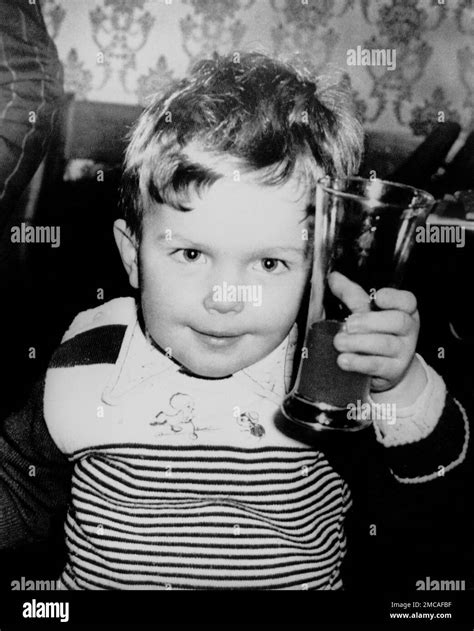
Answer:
(123, 50)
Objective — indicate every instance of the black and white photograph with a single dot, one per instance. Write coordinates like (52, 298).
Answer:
(237, 314)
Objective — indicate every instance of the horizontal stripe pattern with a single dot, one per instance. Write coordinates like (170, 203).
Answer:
(174, 517)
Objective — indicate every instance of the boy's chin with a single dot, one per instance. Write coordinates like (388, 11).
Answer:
(209, 372)
(212, 371)
(206, 375)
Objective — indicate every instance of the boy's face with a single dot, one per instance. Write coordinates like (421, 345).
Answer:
(221, 285)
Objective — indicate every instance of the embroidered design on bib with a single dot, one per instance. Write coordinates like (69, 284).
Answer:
(181, 419)
(249, 422)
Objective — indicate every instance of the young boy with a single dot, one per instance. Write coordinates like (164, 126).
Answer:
(165, 407)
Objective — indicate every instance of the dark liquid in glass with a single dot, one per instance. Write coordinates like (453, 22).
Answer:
(324, 390)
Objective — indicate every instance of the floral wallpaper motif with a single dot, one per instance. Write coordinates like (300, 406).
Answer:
(125, 50)
(466, 69)
(423, 115)
(213, 26)
(77, 79)
(464, 16)
(157, 77)
(120, 28)
(307, 26)
(403, 26)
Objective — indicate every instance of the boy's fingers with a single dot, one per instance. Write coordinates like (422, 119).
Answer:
(351, 294)
(394, 322)
(373, 344)
(382, 367)
(388, 298)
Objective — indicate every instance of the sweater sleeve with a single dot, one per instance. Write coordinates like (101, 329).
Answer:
(428, 439)
(442, 451)
(413, 515)
(34, 476)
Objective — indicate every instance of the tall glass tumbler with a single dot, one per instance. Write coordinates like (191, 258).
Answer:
(365, 230)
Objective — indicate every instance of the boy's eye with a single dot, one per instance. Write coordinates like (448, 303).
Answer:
(270, 265)
(189, 255)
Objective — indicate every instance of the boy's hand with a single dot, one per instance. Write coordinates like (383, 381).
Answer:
(380, 343)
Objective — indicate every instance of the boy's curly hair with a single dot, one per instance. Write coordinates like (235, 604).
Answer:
(266, 115)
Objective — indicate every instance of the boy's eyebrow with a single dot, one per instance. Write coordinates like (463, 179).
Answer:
(264, 250)
(278, 248)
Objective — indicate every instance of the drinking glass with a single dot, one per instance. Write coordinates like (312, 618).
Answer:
(364, 229)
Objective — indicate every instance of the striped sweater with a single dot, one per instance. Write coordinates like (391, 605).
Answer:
(204, 518)
(182, 482)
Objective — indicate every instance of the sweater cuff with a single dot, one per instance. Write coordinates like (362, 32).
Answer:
(415, 422)
(431, 458)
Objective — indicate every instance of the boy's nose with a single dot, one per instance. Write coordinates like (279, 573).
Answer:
(222, 299)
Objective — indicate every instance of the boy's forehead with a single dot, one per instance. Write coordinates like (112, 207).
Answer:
(239, 210)
(295, 189)
(226, 223)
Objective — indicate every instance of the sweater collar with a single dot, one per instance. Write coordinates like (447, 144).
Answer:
(139, 361)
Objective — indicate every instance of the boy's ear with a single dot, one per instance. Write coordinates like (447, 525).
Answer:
(128, 248)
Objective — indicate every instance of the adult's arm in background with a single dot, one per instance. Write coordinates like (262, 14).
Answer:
(30, 92)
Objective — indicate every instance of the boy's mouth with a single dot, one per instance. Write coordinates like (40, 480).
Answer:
(217, 339)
